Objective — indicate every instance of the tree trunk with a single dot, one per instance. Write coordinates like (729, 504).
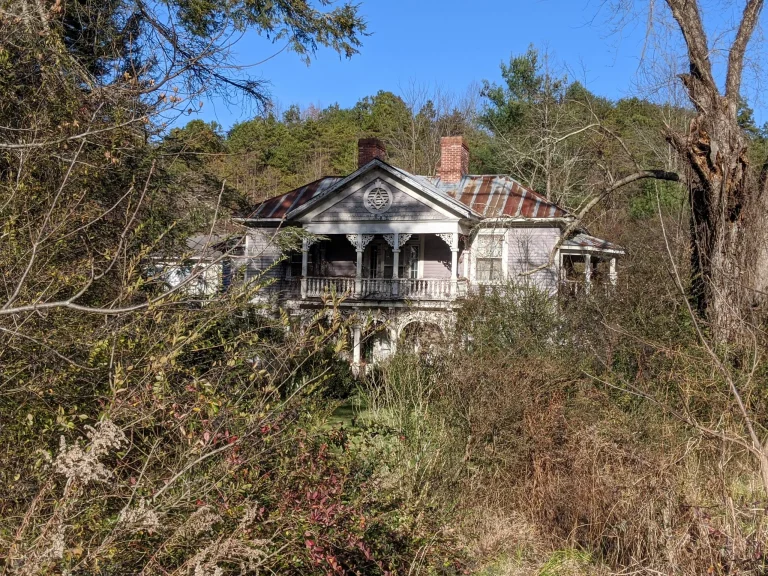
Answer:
(729, 231)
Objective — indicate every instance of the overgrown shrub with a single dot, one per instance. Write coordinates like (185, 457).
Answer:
(604, 428)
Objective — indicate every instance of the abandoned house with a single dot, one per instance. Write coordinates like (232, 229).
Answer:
(404, 249)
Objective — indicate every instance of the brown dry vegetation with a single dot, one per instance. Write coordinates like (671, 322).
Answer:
(603, 440)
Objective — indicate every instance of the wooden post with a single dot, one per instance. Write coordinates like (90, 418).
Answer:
(467, 257)
(356, 345)
(454, 262)
(612, 274)
(395, 264)
(304, 266)
(587, 272)
(359, 271)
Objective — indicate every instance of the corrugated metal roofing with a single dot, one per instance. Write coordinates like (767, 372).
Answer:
(582, 240)
(493, 196)
(279, 206)
(490, 196)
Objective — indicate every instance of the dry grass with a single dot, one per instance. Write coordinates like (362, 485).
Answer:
(558, 475)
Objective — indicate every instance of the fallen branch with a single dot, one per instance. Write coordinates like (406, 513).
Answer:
(577, 220)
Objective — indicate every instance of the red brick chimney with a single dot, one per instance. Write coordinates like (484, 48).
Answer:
(368, 149)
(454, 159)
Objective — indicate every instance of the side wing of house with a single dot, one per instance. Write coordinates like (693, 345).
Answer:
(529, 248)
(262, 254)
(500, 255)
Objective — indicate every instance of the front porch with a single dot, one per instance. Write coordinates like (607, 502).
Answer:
(378, 267)
(587, 263)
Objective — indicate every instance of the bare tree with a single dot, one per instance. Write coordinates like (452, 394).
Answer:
(432, 114)
(729, 238)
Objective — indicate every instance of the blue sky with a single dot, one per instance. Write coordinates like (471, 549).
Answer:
(445, 43)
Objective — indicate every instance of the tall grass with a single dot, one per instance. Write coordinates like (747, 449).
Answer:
(564, 448)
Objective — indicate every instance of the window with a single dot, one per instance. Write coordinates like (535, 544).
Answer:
(315, 261)
(294, 265)
(409, 260)
(489, 251)
(380, 260)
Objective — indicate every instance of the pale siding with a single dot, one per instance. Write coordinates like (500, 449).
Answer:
(437, 258)
(262, 253)
(529, 248)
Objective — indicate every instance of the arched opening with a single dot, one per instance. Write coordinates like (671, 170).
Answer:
(377, 344)
(421, 337)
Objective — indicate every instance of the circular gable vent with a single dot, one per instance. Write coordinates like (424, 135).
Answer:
(378, 198)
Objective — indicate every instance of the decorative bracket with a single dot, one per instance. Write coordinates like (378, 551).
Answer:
(447, 237)
(390, 238)
(306, 243)
(360, 241)
(402, 239)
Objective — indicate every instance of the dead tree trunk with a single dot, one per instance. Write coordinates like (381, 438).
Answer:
(729, 217)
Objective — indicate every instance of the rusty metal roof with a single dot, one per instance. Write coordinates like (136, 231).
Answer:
(585, 241)
(278, 206)
(493, 196)
(488, 196)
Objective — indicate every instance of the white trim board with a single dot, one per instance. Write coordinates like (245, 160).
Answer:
(385, 227)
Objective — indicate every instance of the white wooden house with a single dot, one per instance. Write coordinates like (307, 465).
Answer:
(408, 248)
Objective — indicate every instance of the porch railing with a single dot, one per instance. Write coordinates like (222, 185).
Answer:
(385, 288)
(318, 286)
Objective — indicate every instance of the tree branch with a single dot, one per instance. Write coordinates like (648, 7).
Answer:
(739, 47)
(686, 14)
(641, 175)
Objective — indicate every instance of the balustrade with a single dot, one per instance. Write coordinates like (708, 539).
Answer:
(386, 288)
(321, 286)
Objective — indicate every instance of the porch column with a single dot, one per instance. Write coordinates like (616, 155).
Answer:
(467, 257)
(587, 272)
(304, 261)
(359, 241)
(359, 272)
(395, 264)
(612, 273)
(356, 345)
(454, 262)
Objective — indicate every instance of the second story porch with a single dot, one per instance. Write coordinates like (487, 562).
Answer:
(376, 267)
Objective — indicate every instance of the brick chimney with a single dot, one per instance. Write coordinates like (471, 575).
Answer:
(454, 159)
(368, 149)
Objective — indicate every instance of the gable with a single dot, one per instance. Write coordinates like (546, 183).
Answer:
(377, 195)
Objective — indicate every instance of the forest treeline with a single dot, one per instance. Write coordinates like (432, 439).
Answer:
(549, 132)
(145, 431)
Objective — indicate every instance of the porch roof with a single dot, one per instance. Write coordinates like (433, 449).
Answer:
(583, 242)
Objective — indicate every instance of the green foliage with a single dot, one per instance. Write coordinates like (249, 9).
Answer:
(524, 85)
(512, 317)
(670, 197)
